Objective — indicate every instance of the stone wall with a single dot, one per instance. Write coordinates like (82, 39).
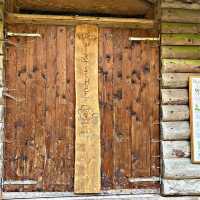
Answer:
(180, 57)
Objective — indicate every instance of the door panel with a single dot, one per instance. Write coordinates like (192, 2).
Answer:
(39, 135)
(129, 96)
(40, 120)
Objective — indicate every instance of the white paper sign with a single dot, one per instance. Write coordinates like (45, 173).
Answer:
(195, 117)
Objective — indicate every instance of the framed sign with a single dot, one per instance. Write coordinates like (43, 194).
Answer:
(194, 100)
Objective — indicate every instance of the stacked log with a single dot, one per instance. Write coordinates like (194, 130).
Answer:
(180, 58)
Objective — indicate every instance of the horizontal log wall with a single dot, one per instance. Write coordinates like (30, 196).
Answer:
(180, 58)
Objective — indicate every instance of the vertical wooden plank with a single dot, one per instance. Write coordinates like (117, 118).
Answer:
(146, 112)
(50, 135)
(136, 108)
(10, 133)
(61, 110)
(118, 176)
(106, 105)
(127, 103)
(145, 128)
(121, 114)
(87, 149)
(70, 96)
(40, 72)
(29, 151)
(21, 103)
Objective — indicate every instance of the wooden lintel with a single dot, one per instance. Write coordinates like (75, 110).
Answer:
(12, 18)
(89, 7)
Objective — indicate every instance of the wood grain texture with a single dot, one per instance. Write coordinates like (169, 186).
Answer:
(193, 5)
(113, 7)
(173, 169)
(175, 149)
(176, 80)
(180, 52)
(175, 130)
(11, 18)
(167, 27)
(87, 146)
(45, 120)
(10, 135)
(175, 96)
(122, 96)
(181, 187)
(175, 112)
(178, 15)
(121, 140)
(180, 65)
(106, 65)
(180, 39)
(44, 123)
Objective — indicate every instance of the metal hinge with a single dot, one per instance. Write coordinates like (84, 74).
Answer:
(11, 34)
(18, 182)
(7, 95)
(144, 38)
(148, 179)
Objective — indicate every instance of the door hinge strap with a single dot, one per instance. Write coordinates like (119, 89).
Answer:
(148, 179)
(5, 94)
(11, 34)
(144, 38)
(24, 182)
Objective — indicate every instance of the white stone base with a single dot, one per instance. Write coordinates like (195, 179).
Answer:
(22, 196)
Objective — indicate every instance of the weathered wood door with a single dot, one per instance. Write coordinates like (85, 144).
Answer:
(40, 111)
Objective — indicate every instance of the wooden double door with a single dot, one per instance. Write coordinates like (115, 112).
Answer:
(39, 146)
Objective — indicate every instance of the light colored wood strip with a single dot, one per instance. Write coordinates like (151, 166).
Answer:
(175, 149)
(180, 65)
(174, 96)
(181, 168)
(180, 15)
(175, 113)
(181, 187)
(175, 130)
(180, 52)
(176, 80)
(180, 39)
(87, 147)
(75, 20)
(167, 27)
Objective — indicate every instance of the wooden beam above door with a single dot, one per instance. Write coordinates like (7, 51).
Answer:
(12, 18)
(89, 7)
